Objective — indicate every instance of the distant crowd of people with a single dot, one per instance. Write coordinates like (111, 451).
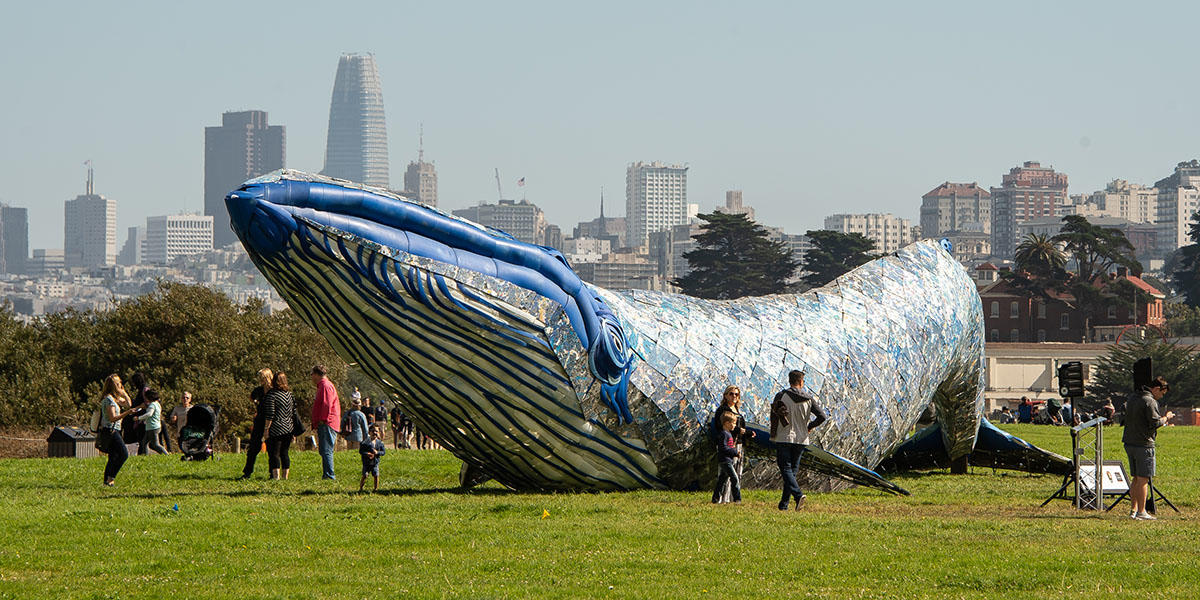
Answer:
(125, 419)
(1057, 412)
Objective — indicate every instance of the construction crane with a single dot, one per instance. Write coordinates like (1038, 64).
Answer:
(499, 190)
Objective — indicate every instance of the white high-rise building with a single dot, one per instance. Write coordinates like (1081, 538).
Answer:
(1178, 200)
(90, 229)
(1129, 201)
(655, 200)
(171, 236)
(889, 232)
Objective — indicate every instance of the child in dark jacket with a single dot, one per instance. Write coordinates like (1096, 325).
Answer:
(371, 450)
(726, 452)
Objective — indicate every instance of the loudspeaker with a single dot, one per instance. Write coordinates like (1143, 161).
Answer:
(1143, 372)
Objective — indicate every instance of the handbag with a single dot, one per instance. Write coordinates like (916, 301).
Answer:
(104, 439)
(297, 425)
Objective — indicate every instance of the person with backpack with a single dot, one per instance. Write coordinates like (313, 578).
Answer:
(791, 411)
(731, 403)
(356, 425)
(108, 434)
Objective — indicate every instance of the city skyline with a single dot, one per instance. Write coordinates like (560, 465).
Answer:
(876, 137)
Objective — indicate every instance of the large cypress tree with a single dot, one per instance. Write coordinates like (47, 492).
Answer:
(1187, 275)
(833, 254)
(734, 257)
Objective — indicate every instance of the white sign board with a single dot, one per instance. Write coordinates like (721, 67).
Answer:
(1114, 481)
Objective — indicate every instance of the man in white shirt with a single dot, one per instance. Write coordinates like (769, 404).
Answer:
(790, 424)
(178, 416)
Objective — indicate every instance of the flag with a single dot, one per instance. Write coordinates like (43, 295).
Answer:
(521, 182)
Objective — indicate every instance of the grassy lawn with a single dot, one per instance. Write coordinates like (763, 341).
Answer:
(982, 535)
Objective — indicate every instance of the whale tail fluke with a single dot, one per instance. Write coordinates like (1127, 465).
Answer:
(993, 448)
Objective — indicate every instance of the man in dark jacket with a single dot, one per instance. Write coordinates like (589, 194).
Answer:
(1141, 428)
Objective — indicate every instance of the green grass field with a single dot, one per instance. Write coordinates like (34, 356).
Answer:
(63, 535)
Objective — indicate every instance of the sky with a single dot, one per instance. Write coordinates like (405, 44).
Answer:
(809, 108)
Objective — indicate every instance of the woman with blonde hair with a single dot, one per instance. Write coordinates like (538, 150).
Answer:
(114, 400)
(731, 402)
(257, 395)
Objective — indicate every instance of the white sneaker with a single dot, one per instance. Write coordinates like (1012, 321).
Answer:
(1144, 516)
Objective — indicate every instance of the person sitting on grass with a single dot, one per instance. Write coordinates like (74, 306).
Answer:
(727, 451)
(371, 450)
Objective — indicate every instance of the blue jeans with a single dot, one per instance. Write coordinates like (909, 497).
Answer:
(727, 475)
(326, 437)
(117, 454)
(787, 456)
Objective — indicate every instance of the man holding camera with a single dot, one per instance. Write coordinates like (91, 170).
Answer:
(1141, 426)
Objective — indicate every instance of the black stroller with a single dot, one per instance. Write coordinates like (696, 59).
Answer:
(195, 440)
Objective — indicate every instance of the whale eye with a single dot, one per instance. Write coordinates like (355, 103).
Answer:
(609, 353)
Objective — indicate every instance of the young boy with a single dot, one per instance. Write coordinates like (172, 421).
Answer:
(371, 450)
(726, 452)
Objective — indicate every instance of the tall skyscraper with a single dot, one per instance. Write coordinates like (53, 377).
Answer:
(655, 200)
(90, 229)
(243, 147)
(956, 207)
(734, 205)
(420, 180)
(1026, 192)
(356, 148)
(14, 239)
(172, 236)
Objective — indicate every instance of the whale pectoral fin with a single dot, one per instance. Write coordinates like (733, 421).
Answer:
(828, 463)
(993, 448)
(999, 449)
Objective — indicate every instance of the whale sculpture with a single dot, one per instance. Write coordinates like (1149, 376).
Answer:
(500, 353)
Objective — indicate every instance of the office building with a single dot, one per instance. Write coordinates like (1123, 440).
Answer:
(244, 146)
(625, 269)
(518, 218)
(655, 199)
(956, 207)
(14, 239)
(171, 236)
(1129, 201)
(1178, 200)
(1027, 192)
(135, 244)
(734, 205)
(356, 148)
(420, 179)
(890, 233)
(46, 262)
(90, 229)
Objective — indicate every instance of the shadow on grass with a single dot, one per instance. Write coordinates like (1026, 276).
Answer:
(317, 493)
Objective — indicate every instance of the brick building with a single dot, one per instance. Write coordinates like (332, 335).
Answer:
(1010, 316)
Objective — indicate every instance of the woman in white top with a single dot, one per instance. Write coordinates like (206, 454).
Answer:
(111, 413)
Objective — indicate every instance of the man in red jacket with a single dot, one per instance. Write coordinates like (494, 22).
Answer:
(326, 418)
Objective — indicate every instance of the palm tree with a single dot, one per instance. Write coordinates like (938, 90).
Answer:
(1039, 254)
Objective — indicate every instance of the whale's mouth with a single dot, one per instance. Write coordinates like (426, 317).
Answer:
(267, 211)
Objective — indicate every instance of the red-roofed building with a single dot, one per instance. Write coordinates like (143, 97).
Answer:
(1010, 316)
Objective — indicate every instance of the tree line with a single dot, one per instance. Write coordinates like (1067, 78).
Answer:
(182, 337)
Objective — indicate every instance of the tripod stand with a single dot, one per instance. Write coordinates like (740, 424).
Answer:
(1150, 508)
(1090, 495)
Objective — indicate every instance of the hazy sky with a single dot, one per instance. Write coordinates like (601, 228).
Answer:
(810, 109)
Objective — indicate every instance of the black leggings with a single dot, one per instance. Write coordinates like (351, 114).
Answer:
(277, 452)
(117, 455)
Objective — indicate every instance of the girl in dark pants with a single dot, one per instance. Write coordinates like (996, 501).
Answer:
(111, 414)
(278, 406)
